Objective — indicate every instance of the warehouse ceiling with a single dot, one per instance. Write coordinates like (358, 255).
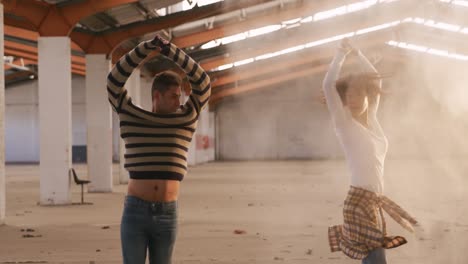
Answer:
(244, 44)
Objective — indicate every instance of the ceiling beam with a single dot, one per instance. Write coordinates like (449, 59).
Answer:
(19, 63)
(282, 71)
(112, 38)
(434, 38)
(26, 62)
(281, 78)
(274, 16)
(409, 33)
(251, 71)
(143, 10)
(20, 22)
(394, 57)
(20, 33)
(271, 82)
(33, 51)
(56, 20)
(16, 75)
(106, 19)
(284, 39)
(302, 9)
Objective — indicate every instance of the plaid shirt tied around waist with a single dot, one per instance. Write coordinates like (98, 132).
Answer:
(361, 232)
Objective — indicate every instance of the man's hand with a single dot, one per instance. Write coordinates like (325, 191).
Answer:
(160, 42)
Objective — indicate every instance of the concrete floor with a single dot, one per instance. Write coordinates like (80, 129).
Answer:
(284, 208)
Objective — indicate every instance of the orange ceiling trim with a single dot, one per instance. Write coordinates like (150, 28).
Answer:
(117, 54)
(32, 11)
(82, 40)
(78, 72)
(78, 60)
(23, 49)
(20, 47)
(18, 23)
(27, 62)
(21, 54)
(79, 67)
(30, 35)
(15, 75)
(55, 24)
(21, 33)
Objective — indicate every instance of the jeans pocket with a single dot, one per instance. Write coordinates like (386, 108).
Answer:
(168, 219)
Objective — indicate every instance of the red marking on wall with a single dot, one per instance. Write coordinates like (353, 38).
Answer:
(204, 142)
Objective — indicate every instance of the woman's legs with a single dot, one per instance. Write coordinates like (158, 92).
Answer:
(376, 256)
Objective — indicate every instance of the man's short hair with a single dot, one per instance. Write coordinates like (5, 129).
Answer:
(164, 81)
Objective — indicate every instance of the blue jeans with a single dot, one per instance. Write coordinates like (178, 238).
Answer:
(148, 226)
(377, 256)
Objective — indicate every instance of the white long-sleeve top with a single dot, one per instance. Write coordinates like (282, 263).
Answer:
(365, 148)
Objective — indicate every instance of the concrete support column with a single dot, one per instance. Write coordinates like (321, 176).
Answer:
(205, 138)
(55, 119)
(211, 156)
(99, 123)
(2, 125)
(133, 88)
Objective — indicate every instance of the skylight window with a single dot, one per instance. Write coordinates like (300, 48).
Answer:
(295, 22)
(432, 51)
(189, 4)
(409, 46)
(456, 2)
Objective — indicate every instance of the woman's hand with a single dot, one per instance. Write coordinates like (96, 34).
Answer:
(346, 46)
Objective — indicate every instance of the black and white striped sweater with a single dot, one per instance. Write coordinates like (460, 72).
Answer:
(156, 145)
